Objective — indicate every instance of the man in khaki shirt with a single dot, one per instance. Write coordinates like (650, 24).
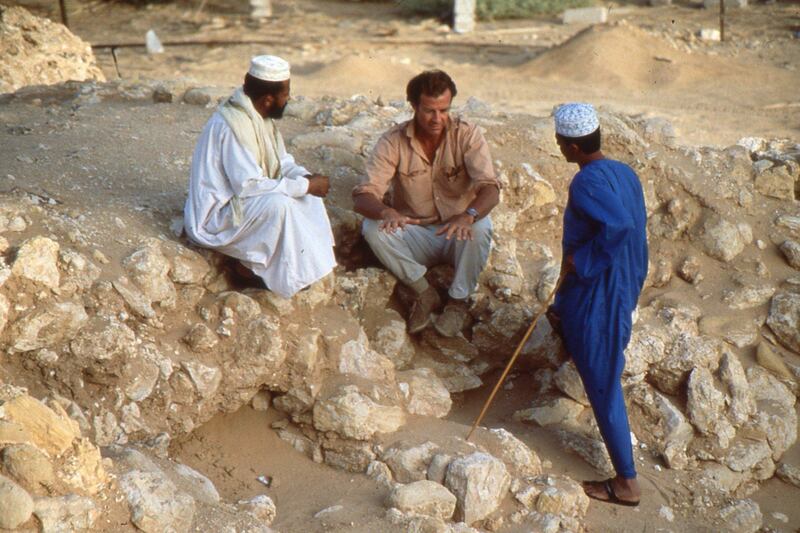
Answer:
(428, 190)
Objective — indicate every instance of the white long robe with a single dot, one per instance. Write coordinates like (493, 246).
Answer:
(283, 235)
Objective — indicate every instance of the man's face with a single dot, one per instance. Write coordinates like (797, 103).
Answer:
(279, 102)
(567, 150)
(432, 113)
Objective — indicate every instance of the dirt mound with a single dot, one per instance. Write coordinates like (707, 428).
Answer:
(625, 57)
(37, 51)
(349, 75)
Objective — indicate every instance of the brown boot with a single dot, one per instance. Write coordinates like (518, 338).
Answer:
(424, 305)
(454, 318)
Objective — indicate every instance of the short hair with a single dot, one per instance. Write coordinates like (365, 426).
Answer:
(588, 144)
(430, 82)
(256, 88)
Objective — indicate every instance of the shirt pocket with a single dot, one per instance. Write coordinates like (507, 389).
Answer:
(454, 180)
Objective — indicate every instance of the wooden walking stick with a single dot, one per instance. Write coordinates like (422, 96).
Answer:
(514, 357)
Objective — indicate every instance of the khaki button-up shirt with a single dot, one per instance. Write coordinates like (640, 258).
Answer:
(432, 191)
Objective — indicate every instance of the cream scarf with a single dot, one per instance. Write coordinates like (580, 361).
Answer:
(256, 134)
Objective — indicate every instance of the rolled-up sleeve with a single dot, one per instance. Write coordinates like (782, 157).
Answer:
(478, 159)
(380, 169)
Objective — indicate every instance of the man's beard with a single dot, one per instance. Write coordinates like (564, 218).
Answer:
(276, 112)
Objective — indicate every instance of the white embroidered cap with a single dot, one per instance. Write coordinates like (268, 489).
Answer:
(269, 68)
(576, 120)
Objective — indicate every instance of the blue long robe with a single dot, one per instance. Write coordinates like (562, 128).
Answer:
(605, 233)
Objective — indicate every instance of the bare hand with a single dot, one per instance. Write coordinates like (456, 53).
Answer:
(318, 185)
(460, 227)
(392, 220)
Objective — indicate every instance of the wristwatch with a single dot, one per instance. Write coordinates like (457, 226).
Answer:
(471, 211)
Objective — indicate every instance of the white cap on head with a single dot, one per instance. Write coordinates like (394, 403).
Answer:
(269, 68)
(576, 120)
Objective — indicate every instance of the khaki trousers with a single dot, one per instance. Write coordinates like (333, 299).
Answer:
(409, 252)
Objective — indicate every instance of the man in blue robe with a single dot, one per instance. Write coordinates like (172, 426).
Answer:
(604, 264)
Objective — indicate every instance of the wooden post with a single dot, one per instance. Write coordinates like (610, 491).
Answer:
(721, 20)
(63, 7)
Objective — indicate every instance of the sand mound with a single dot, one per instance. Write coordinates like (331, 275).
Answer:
(625, 57)
(36, 51)
(352, 74)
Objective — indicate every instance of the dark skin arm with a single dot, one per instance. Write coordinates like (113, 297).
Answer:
(318, 185)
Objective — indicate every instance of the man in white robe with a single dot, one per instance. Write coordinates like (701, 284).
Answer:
(248, 199)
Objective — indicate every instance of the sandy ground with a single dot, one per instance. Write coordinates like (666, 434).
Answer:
(713, 93)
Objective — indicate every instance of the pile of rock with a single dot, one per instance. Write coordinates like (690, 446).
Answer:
(160, 341)
(37, 51)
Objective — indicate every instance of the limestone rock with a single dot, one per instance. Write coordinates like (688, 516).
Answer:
(660, 424)
(721, 239)
(392, 340)
(356, 358)
(569, 382)
(766, 387)
(201, 338)
(16, 505)
(409, 463)
(262, 507)
(687, 353)
(743, 516)
(690, 270)
(103, 339)
(66, 514)
(138, 302)
(437, 469)
(424, 392)
(37, 261)
(423, 497)
(4, 308)
(748, 296)
(791, 251)
(479, 482)
(784, 319)
(52, 432)
(57, 322)
(647, 346)
(591, 449)
(28, 466)
(195, 484)
(519, 459)
(83, 467)
(549, 412)
(705, 407)
(206, 379)
(543, 347)
(354, 415)
(186, 266)
(149, 269)
(773, 362)
(156, 504)
(733, 376)
(350, 455)
(380, 472)
(745, 455)
(776, 182)
(734, 331)
(789, 473)
(554, 495)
